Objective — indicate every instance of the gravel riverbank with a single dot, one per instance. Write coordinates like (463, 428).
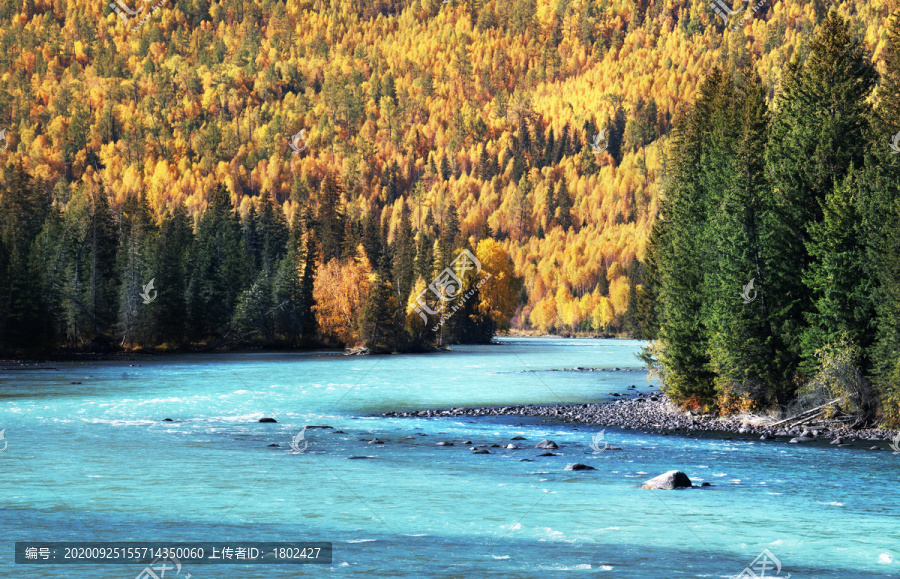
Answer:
(654, 412)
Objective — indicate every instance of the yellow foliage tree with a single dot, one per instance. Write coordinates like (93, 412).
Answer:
(339, 291)
(499, 294)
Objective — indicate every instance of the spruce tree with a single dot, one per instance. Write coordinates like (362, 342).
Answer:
(329, 218)
(404, 256)
(23, 319)
(680, 253)
(135, 264)
(219, 271)
(173, 247)
(880, 212)
(819, 132)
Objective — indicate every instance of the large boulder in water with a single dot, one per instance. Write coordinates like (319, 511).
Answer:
(548, 444)
(674, 479)
(579, 466)
(266, 419)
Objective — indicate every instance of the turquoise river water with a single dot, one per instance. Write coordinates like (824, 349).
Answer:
(88, 457)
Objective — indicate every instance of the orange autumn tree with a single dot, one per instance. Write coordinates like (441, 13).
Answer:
(340, 290)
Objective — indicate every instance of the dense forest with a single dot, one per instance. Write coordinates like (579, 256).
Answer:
(299, 173)
(796, 201)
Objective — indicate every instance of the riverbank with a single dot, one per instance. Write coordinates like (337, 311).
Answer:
(656, 413)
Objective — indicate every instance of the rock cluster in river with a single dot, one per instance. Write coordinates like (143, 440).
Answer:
(654, 412)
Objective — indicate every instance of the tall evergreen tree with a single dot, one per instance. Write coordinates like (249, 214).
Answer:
(135, 261)
(880, 210)
(219, 268)
(680, 258)
(329, 218)
(404, 256)
(818, 133)
(170, 270)
(22, 310)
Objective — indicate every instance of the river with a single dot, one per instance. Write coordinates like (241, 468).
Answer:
(88, 457)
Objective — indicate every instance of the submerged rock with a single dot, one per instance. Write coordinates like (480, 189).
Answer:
(518, 438)
(548, 444)
(481, 451)
(512, 447)
(548, 454)
(266, 419)
(674, 479)
(375, 441)
(444, 443)
(579, 466)
(274, 445)
(168, 420)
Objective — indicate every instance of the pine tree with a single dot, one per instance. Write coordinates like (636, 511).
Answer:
(380, 315)
(329, 218)
(137, 242)
(683, 333)
(564, 205)
(819, 132)
(424, 256)
(880, 212)
(746, 352)
(102, 278)
(372, 237)
(23, 319)
(838, 275)
(449, 236)
(404, 257)
(219, 270)
(174, 246)
(272, 233)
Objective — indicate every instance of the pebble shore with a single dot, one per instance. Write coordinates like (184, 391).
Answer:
(656, 413)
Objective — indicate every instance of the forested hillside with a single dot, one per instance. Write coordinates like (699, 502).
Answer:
(167, 145)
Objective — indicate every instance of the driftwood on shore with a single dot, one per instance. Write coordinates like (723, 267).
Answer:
(357, 351)
(808, 415)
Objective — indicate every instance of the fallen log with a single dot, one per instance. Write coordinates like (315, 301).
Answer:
(806, 412)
